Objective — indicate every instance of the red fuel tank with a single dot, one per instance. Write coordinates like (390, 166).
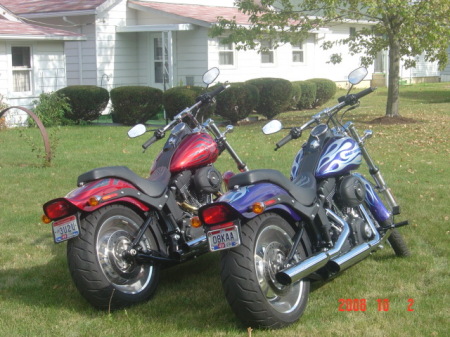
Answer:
(195, 150)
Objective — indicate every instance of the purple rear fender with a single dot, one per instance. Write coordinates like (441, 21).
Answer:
(242, 198)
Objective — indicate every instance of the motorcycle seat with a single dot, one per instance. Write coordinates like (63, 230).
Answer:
(155, 186)
(303, 189)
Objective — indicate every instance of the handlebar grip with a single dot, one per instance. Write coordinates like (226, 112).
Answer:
(149, 142)
(217, 90)
(282, 142)
(207, 97)
(365, 92)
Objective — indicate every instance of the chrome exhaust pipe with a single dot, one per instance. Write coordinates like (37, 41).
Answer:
(360, 252)
(304, 268)
(195, 248)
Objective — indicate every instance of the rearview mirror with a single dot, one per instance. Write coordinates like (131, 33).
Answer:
(272, 127)
(137, 130)
(211, 75)
(357, 75)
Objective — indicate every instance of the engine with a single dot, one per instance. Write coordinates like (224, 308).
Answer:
(350, 191)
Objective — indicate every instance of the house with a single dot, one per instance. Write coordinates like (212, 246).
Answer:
(32, 61)
(165, 43)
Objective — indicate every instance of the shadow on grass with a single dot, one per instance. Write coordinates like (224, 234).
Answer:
(427, 97)
(189, 295)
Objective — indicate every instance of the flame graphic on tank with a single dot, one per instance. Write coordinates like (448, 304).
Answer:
(296, 164)
(340, 156)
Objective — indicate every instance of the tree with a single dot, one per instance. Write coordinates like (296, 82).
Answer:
(407, 28)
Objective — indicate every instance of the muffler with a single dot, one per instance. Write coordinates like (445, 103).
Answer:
(304, 268)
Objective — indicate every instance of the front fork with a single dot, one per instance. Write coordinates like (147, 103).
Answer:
(381, 185)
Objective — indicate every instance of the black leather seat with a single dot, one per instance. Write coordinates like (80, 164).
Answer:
(153, 187)
(303, 189)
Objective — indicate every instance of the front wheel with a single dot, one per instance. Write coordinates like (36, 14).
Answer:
(248, 274)
(99, 270)
(398, 244)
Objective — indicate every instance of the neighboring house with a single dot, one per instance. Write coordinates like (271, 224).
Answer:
(32, 61)
(165, 43)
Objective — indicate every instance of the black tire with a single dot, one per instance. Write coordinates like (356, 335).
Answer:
(398, 244)
(248, 275)
(101, 275)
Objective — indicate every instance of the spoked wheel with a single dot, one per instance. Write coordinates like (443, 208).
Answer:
(248, 275)
(98, 266)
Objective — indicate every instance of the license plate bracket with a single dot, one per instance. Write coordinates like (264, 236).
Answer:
(224, 238)
(65, 229)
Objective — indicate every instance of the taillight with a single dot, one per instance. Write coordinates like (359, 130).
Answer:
(217, 213)
(58, 209)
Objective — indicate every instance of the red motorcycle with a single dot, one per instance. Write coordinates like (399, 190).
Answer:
(122, 229)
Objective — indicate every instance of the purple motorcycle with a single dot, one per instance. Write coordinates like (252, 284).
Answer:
(277, 234)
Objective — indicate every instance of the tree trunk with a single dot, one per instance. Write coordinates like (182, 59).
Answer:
(394, 77)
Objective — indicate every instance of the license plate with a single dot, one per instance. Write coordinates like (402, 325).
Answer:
(224, 238)
(65, 229)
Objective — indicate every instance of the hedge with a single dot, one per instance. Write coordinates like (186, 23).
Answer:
(274, 95)
(325, 90)
(135, 104)
(308, 96)
(237, 101)
(86, 101)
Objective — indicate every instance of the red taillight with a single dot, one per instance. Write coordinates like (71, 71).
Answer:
(58, 209)
(217, 213)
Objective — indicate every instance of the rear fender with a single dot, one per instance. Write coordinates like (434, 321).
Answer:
(242, 198)
(112, 190)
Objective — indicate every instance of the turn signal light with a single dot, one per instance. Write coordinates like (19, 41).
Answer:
(46, 219)
(195, 222)
(94, 201)
(258, 207)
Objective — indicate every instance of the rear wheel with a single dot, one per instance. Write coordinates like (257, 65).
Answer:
(248, 275)
(100, 272)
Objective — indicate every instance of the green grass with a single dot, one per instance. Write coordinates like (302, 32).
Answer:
(37, 297)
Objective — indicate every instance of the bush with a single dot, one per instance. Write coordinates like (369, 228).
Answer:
(135, 104)
(86, 101)
(308, 96)
(296, 94)
(178, 98)
(325, 90)
(237, 102)
(274, 95)
(52, 109)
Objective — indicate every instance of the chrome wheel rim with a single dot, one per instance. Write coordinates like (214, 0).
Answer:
(271, 249)
(113, 239)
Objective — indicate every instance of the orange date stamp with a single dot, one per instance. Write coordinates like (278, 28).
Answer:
(360, 304)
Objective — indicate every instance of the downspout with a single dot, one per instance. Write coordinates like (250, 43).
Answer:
(80, 60)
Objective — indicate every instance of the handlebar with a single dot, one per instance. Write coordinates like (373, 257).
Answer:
(329, 112)
(202, 99)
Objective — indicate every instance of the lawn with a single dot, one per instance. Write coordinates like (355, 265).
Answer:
(37, 297)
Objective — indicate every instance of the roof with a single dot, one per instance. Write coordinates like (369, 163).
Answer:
(21, 30)
(49, 6)
(198, 13)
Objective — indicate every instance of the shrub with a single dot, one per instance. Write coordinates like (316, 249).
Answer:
(274, 95)
(325, 90)
(135, 104)
(296, 94)
(86, 101)
(52, 109)
(308, 96)
(178, 98)
(237, 102)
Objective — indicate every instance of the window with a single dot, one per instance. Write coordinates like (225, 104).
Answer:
(21, 68)
(297, 53)
(160, 53)
(226, 54)
(267, 55)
